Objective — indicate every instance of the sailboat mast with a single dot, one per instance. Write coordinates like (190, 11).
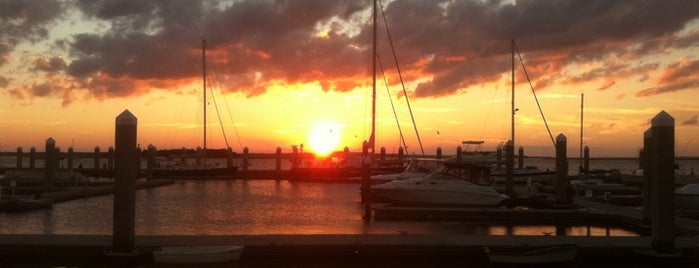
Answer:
(582, 105)
(203, 58)
(372, 138)
(513, 94)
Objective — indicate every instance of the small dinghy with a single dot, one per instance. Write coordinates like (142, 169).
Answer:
(542, 254)
(197, 254)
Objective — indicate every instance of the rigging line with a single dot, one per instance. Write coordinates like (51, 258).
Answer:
(533, 92)
(228, 109)
(400, 75)
(218, 114)
(490, 108)
(385, 81)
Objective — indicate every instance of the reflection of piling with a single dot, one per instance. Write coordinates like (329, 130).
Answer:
(648, 169)
(125, 183)
(439, 152)
(663, 160)
(562, 183)
(19, 157)
(509, 166)
(520, 158)
(50, 164)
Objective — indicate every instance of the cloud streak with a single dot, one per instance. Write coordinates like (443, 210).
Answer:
(444, 47)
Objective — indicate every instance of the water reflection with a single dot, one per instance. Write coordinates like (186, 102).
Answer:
(254, 207)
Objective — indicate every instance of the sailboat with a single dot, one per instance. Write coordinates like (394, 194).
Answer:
(199, 172)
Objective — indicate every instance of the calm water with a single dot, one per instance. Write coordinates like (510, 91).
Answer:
(263, 207)
(248, 207)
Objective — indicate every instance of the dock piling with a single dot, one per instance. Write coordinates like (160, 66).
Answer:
(509, 166)
(150, 161)
(110, 158)
(19, 157)
(50, 163)
(125, 183)
(246, 158)
(586, 160)
(71, 155)
(96, 158)
(439, 152)
(32, 158)
(663, 214)
(520, 158)
(562, 184)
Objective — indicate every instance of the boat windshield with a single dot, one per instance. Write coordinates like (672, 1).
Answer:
(475, 175)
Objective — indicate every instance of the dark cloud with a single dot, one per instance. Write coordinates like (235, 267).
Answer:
(693, 121)
(253, 44)
(25, 20)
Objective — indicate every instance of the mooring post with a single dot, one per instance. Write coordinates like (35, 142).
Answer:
(586, 159)
(150, 161)
(401, 154)
(498, 158)
(509, 166)
(229, 157)
(663, 144)
(562, 183)
(278, 164)
(246, 158)
(50, 164)
(198, 156)
(71, 156)
(520, 158)
(439, 152)
(366, 177)
(32, 157)
(110, 158)
(124, 183)
(382, 153)
(648, 170)
(96, 158)
(183, 157)
(19, 157)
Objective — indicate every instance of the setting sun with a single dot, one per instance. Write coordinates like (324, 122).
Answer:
(324, 137)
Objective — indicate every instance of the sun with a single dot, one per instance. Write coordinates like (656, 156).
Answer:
(324, 137)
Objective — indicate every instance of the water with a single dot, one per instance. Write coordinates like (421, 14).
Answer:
(241, 207)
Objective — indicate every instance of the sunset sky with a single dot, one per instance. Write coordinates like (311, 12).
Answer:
(279, 69)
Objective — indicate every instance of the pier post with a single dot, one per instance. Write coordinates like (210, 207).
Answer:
(150, 161)
(562, 183)
(229, 157)
(32, 157)
(663, 214)
(246, 158)
(198, 155)
(401, 154)
(586, 159)
(498, 157)
(50, 164)
(520, 158)
(366, 177)
(509, 166)
(125, 183)
(71, 156)
(96, 158)
(647, 153)
(183, 157)
(19, 157)
(278, 163)
(439, 152)
(382, 153)
(110, 158)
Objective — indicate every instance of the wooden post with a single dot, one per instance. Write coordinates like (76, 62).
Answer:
(648, 169)
(150, 161)
(278, 164)
(439, 152)
(509, 166)
(110, 158)
(96, 158)
(520, 158)
(498, 158)
(663, 144)
(19, 157)
(183, 157)
(561, 170)
(125, 183)
(366, 177)
(229, 157)
(246, 158)
(586, 159)
(50, 164)
(401, 154)
(198, 155)
(382, 154)
(71, 156)
(32, 158)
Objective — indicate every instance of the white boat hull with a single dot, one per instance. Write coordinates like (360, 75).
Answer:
(197, 254)
(439, 192)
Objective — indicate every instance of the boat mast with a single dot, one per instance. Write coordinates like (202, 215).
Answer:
(372, 138)
(513, 94)
(203, 58)
(582, 103)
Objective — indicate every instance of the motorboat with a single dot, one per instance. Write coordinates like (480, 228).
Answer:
(417, 167)
(457, 183)
(687, 197)
(197, 254)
